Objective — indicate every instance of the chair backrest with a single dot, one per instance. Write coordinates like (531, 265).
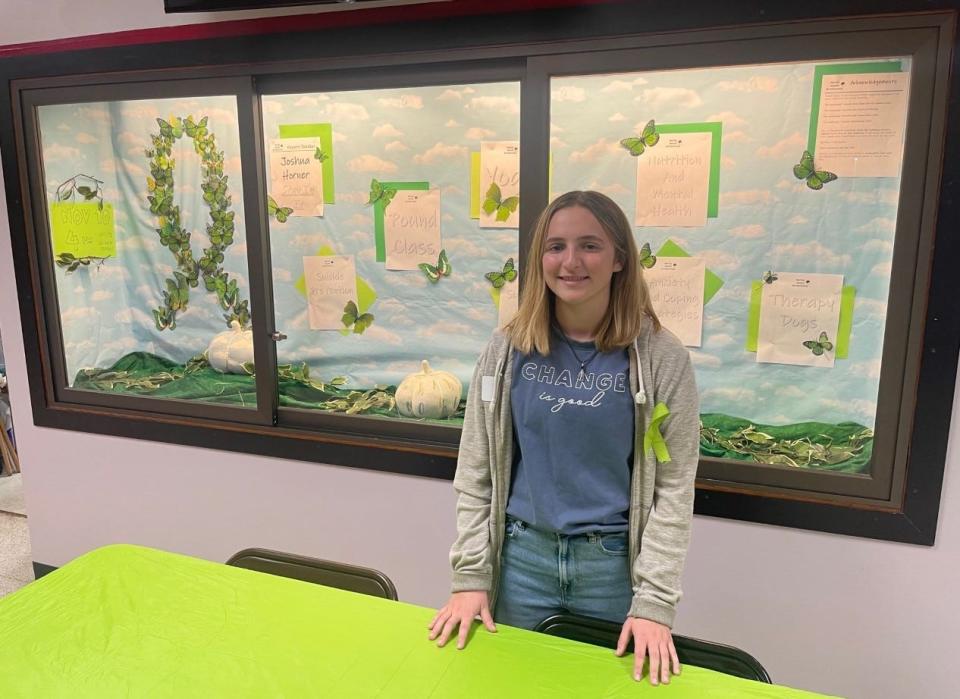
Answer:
(344, 576)
(690, 651)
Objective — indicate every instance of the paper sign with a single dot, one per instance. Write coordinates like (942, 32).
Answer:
(296, 178)
(411, 226)
(499, 184)
(331, 282)
(712, 283)
(325, 133)
(861, 124)
(799, 317)
(676, 292)
(509, 301)
(83, 229)
(673, 180)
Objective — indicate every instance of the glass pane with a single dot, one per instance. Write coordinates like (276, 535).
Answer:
(783, 181)
(147, 230)
(384, 259)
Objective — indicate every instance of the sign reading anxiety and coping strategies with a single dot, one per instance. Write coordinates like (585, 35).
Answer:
(676, 292)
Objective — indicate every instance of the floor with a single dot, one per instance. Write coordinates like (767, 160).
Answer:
(16, 566)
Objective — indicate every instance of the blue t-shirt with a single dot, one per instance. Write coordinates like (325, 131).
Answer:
(573, 439)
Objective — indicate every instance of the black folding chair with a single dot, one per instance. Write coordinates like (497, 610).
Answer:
(344, 576)
(690, 651)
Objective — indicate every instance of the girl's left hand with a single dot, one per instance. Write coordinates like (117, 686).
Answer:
(653, 640)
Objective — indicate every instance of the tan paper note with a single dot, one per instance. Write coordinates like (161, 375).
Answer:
(673, 180)
(296, 176)
(861, 124)
(411, 229)
(676, 291)
(799, 316)
(331, 282)
(499, 184)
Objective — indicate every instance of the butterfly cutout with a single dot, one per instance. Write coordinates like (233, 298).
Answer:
(353, 317)
(818, 347)
(195, 129)
(769, 277)
(647, 259)
(498, 279)
(281, 213)
(171, 129)
(320, 155)
(442, 269)
(495, 203)
(648, 139)
(805, 170)
(378, 192)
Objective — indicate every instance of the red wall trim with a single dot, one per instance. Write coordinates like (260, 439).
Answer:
(291, 23)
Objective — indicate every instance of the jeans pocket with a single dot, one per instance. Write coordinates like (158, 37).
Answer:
(513, 528)
(613, 544)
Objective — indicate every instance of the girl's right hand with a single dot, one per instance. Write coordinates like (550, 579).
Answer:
(460, 610)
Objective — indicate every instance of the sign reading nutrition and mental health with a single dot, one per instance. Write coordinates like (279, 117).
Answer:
(673, 181)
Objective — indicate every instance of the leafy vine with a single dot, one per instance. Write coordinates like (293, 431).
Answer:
(90, 191)
(176, 238)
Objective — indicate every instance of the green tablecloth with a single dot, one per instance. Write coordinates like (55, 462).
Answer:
(127, 621)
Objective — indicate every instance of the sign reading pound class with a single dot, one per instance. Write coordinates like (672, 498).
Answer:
(411, 229)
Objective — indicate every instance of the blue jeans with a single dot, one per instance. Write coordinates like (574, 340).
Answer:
(543, 574)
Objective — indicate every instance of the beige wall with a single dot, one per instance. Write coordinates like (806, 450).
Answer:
(831, 613)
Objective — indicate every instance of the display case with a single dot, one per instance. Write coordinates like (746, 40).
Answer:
(304, 256)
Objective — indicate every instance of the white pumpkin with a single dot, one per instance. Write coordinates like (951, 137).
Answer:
(428, 393)
(230, 350)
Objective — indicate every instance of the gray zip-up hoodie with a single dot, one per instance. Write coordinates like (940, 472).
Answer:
(661, 494)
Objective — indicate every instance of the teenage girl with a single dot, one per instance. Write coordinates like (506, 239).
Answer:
(579, 449)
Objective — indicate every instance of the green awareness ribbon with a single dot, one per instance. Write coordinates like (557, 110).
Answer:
(653, 439)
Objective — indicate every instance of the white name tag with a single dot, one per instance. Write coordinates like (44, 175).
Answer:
(486, 388)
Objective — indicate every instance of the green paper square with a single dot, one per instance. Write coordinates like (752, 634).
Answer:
(378, 235)
(840, 69)
(711, 281)
(83, 229)
(715, 128)
(325, 133)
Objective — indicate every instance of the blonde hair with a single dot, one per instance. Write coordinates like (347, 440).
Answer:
(629, 296)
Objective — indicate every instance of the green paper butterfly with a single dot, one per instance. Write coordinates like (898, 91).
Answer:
(281, 213)
(353, 317)
(442, 269)
(380, 193)
(648, 139)
(647, 259)
(495, 203)
(321, 156)
(818, 347)
(805, 170)
(769, 277)
(171, 129)
(195, 129)
(498, 279)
